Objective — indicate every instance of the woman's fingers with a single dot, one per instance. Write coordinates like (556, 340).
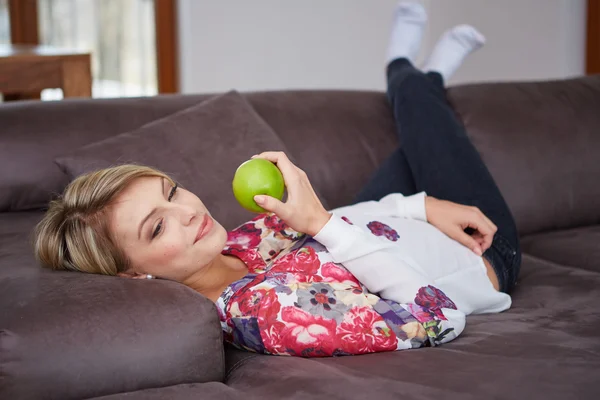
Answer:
(279, 158)
(478, 237)
(487, 231)
(290, 172)
(468, 241)
(489, 221)
(452, 219)
(485, 220)
(302, 210)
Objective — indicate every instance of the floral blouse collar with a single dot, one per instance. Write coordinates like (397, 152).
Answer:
(258, 243)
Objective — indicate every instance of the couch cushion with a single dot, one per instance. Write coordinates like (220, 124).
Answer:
(541, 142)
(579, 247)
(68, 335)
(200, 147)
(545, 347)
(32, 134)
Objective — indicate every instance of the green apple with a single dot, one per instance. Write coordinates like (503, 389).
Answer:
(254, 177)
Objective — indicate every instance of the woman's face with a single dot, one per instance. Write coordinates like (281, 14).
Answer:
(165, 232)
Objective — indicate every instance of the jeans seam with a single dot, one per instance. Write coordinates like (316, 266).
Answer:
(508, 256)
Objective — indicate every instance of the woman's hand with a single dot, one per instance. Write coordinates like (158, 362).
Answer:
(302, 211)
(452, 219)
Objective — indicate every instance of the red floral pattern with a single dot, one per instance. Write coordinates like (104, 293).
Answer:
(301, 261)
(306, 278)
(269, 308)
(272, 337)
(333, 272)
(246, 236)
(364, 331)
(251, 257)
(298, 305)
(274, 223)
(307, 335)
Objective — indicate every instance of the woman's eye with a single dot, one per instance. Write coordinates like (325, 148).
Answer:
(172, 192)
(157, 229)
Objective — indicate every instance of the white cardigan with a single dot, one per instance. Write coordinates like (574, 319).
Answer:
(421, 256)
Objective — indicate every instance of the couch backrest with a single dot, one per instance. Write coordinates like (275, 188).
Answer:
(32, 134)
(540, 141)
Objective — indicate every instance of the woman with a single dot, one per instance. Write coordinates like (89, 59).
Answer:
(397, 273)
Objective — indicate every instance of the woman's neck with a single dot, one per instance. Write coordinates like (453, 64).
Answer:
(211, 280)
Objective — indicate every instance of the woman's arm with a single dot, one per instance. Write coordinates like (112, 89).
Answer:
(304, 212)
(383, 268)
(450, 218)
(375, 262)
(393, 205)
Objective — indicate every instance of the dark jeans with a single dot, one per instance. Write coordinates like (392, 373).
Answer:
(437, 157)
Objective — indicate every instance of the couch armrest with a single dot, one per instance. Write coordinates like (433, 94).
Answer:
(70, 335)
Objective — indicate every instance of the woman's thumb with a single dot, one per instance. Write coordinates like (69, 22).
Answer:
(269, 203)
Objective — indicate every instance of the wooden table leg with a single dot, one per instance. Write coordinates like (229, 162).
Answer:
(77, 77)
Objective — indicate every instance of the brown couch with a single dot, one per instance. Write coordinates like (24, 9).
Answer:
(67, 335)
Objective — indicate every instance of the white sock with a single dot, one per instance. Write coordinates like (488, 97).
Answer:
(409, 21)
(452, 49)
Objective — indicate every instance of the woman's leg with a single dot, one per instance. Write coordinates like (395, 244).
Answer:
(444, 163)
(394, 175)
(436, 155)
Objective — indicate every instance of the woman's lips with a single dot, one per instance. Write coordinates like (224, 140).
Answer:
(204, 228)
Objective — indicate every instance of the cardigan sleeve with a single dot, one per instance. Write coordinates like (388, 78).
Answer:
(384, 269)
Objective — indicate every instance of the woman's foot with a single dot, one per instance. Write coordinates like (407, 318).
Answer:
(405, 41)
(452, 49)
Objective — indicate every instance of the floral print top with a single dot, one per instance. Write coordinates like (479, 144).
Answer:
(296, 301)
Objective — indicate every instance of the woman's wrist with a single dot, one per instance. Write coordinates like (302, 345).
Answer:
(429, 205)
(318, 223)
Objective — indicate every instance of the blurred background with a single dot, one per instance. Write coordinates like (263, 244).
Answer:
(143, 47)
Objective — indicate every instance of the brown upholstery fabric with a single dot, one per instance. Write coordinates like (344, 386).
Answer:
(66, 335)
(541, 142)
(579, 247)
(200, 147)
(192, 391)
(32, 134)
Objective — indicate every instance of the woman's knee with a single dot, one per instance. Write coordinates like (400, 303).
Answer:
(412, 83)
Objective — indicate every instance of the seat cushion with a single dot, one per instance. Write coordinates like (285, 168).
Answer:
(200, 147)
(68, 335)
(189, 391)
(578, 247)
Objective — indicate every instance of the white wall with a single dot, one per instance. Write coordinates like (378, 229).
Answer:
(281, 44)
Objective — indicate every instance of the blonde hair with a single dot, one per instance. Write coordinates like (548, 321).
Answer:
(74, 234)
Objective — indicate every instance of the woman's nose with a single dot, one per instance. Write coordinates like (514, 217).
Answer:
(187, 214)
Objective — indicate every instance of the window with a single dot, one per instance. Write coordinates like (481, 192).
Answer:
(4, 23)
(120, 35)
